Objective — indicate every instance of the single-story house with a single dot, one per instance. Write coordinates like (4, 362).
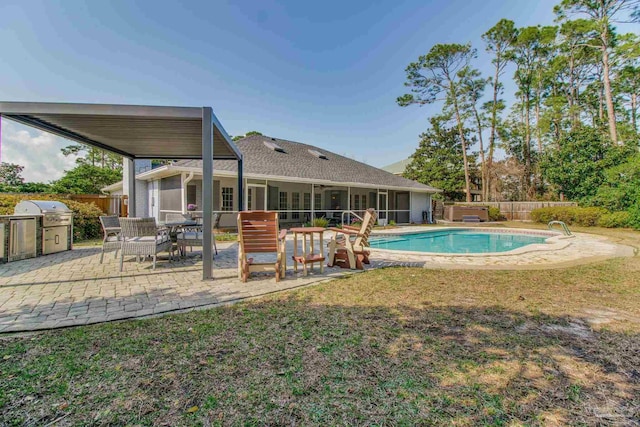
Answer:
(299, 181)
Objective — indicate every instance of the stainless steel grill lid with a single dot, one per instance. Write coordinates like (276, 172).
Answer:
(39, 207)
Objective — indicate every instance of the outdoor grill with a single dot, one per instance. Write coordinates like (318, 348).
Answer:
(57, 223)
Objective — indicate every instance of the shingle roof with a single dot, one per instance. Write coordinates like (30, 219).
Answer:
(397, 167)
(298, 162)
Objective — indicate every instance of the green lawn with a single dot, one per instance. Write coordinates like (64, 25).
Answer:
(397, 346)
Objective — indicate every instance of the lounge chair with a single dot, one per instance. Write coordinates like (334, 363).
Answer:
(349, 245)
(192, 235)
(141, 237)
(111, 230)
(258, 232)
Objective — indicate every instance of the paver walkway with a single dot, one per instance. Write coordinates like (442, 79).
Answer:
(73, 288)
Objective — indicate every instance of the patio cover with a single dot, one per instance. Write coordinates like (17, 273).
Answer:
(139, 132)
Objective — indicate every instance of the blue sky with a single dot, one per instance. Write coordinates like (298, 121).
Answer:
(325, 73)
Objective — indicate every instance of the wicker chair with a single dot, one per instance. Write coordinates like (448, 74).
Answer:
(111, 229)
(177, 217)
(192, 236)
(141, 237)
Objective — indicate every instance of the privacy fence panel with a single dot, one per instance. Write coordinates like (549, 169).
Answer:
(111, 205)
(518, 211)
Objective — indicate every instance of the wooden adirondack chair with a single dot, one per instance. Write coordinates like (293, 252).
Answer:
(348, 245)
(258, 233)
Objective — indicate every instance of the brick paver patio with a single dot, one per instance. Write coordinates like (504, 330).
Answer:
(72, 288)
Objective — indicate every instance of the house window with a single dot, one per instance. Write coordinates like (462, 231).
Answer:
(364, 202)
(227, 198)
(307, 201)
(283, 204)
(356, 202)
(249, 198)
(295, 205)
(318, 201)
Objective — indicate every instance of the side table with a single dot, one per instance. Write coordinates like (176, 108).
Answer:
(310, 256)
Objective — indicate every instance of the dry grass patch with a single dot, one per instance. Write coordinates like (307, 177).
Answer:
(397, 346)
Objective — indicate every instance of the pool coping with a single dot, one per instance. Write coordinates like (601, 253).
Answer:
(556, 241)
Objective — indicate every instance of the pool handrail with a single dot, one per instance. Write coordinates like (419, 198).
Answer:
(565, 228)
(350, 213)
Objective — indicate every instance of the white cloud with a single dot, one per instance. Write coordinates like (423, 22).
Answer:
(37, 151)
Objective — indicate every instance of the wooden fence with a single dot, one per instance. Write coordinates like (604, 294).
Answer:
(518, 211)
(111, 205)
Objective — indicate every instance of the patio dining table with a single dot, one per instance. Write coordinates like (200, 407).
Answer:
(175, 227)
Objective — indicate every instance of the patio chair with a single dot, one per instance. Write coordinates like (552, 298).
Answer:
(257, 234)
(348, 245)
(177, 217)
(111, 230)
(192, 236)
(141, 237)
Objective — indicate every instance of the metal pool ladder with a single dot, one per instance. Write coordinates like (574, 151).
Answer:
(565, 229)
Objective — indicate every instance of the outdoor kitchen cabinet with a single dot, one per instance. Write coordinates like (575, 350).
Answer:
(54, 239)
(22, 238)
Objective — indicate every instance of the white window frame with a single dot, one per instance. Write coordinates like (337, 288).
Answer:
(282, 208)
(226, 199)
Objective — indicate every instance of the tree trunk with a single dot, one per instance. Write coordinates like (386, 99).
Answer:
(611, 114)
(483, 168)
(527, 143)
(494, 125)
(465, 160)
(538, 129)
(634, 106)
(601, 104)
(574, 112)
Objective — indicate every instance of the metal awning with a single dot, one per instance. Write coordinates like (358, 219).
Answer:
(133, 131)
(141, 132)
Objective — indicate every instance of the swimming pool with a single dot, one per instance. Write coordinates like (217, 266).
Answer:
(458, 241)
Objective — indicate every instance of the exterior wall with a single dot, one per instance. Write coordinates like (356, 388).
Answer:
(170, 195)
(404, 206)
(419, 202)
(141, 200)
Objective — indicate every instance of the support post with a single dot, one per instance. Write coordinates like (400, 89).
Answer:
(207, 193)
(313, 203)
(240, 186)
(129, 184)
(183, 193)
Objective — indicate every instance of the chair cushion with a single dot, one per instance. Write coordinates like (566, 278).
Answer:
(149, 239)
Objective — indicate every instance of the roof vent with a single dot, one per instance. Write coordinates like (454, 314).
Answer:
(318, 154)
(273, 146)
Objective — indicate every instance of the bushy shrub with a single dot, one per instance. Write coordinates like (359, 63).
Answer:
(86, 221)
(86, 224)
(615, 219)
(495, 215)
(634, 216)
(621, 189)
(570, 215)
(320, 222)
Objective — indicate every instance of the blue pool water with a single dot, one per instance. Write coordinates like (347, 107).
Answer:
(456, 241)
